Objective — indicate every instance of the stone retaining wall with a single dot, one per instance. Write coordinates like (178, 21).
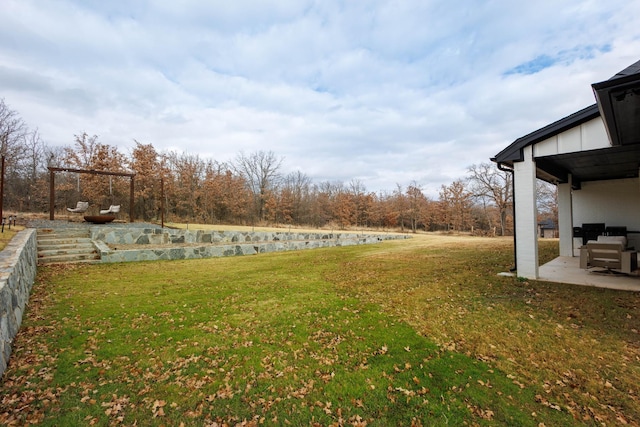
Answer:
(18, 267)
(208, 244)
(128, 236)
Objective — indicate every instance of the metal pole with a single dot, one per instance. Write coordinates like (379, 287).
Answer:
(162, 202)
(2, 191)
(131, 216)
(52, 194)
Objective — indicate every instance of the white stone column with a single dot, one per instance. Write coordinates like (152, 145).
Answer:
(526, 216)
(565, 218)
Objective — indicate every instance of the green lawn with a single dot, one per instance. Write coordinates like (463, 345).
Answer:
(418, 332)
(7, 235)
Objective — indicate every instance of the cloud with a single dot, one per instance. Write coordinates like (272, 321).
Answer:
(387, 92)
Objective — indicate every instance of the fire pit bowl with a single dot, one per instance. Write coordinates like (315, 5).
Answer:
(99, 219)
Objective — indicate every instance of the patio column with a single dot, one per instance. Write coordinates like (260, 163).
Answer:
(565, 218)
(524, 186)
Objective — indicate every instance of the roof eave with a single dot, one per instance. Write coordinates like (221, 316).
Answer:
(619, 101)
(514, 152)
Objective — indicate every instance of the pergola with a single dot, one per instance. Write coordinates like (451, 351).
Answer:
(52, 191)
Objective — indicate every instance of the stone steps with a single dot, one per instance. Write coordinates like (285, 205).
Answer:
(64, 242)
(65, 246)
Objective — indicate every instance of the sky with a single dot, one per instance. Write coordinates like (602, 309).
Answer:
(386, 93)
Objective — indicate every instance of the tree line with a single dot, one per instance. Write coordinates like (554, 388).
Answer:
(251, 189)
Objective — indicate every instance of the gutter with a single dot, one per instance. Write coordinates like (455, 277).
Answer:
(513, 197)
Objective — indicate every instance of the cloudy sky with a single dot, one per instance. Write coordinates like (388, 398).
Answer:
(385, 92)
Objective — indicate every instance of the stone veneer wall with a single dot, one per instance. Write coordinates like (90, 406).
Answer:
(18, 267)
(208, 244)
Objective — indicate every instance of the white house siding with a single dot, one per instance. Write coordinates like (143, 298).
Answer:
(526, 214)
(588, 136)
(613, 202)
(565, 216)
(594, 135)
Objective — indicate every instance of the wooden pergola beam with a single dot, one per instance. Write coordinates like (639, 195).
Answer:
(91, 171)
(52, 191)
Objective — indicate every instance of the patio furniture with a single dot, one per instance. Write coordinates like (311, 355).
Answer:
(609, 254)
(112, 209)
(81, 207)
(591, 231)
(99, 219)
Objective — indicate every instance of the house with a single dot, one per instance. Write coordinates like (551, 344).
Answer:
(593, 156)
(547, 229)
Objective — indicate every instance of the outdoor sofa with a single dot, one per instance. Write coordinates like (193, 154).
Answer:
(608, 254)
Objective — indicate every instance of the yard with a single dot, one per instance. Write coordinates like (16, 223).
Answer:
(418, 332)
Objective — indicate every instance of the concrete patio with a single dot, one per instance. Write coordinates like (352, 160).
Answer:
(567, 270)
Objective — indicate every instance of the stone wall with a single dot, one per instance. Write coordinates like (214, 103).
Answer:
(165, 244)
(131, 235)
(18, 265)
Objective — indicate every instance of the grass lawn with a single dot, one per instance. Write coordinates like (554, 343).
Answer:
(7, 235)
(418, 332)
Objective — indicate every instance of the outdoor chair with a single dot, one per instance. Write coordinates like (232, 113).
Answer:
(609, 254)
(81, 207)
(112, 209)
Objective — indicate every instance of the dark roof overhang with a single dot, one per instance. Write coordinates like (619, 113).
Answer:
(619, 102)
(617, 162)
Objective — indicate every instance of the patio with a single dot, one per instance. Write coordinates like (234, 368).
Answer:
(567, 270)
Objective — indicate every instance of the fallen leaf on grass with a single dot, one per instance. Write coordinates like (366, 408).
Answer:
(383, 350)
(157, 408)
(545, 402)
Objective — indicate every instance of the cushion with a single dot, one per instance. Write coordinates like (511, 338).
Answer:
(613, 239)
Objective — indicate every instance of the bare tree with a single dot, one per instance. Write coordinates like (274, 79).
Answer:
(547, 200)
(386, 210)
(225, 196)
(82, 154)
(361, 202)
(261, 171)
(344, 209)
(455, 204)
(400, 205)
(188, 172)
(322, 200)
(491, 185)
(31, 174)
(12, 132)
(145, 162)
(250, 188)
(295, 195)
(417, 205)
